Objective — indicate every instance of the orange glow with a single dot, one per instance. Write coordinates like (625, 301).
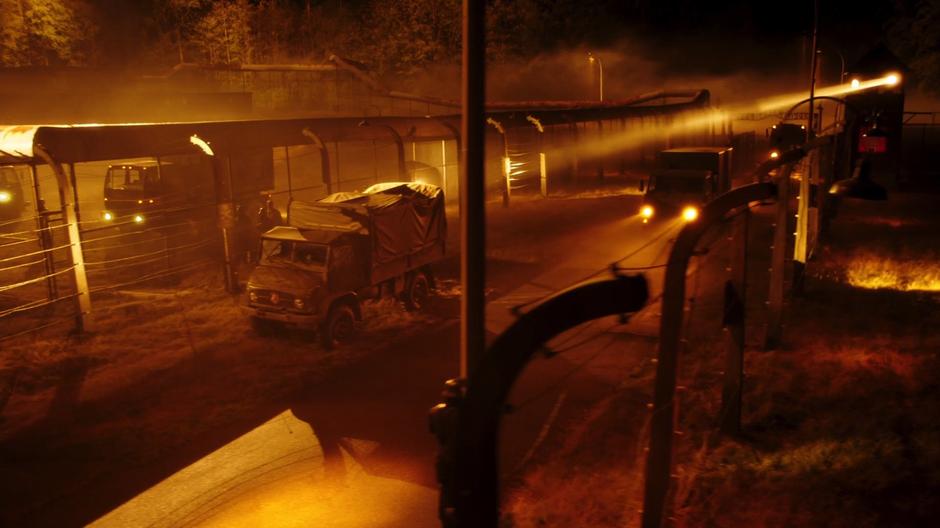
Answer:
(647, 211)
(872, 272)
(690, 214)
(774, 154)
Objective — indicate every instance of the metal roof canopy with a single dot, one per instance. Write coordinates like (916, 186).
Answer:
(91, 142)
(80, 143)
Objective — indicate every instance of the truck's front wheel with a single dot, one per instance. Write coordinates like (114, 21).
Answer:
(417, 292)
(338, 327)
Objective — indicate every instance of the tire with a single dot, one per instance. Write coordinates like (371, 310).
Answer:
(263, 327)
(417, 292)
(339, 327)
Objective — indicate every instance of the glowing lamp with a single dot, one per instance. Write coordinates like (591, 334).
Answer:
(774, 154)
(5, 197)
(107, 216)
(690, 214)
(856, 83)
(892, 79)
(647, 211)
(138, 219)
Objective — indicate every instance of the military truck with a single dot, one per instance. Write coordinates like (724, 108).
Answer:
(342, 250)
(685, 179)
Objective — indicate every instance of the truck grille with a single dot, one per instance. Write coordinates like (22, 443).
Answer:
(273, 298)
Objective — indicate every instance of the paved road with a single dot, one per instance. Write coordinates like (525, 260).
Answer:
(355, 451)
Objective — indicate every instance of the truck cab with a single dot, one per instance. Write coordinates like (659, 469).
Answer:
(133, 191)
(685, 179)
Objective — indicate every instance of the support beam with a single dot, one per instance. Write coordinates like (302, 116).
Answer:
(83, 320)
(324, 158)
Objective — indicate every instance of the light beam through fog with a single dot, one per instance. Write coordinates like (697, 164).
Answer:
(697, 120)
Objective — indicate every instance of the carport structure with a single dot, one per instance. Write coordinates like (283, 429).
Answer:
(227, 144)
(304, 157)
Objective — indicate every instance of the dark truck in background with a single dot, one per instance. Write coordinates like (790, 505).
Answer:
(686, 178)
(173, 188)
(342, 250)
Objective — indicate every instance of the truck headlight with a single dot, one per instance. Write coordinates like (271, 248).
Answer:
(774, 154)
(108, 216)
(690, 213)
(252, 296)
(5, 197)
(647, 212)
(299, 304)
(138, 219)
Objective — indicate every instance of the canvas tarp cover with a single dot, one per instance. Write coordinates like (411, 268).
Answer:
(404, 218)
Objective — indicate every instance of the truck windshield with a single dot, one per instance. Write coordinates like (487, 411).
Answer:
(294, 253)
(678, 185)
(132, 178)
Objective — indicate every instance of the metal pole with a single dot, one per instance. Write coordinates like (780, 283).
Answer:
(664, 413)
(83, 321)
(472, 203)
(778, 261)
(812, 75)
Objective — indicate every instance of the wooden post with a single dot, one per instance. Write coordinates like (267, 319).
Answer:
(734, 322)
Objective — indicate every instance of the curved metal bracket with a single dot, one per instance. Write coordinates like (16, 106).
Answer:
(663, 420)
(470, 481)
(324, 158)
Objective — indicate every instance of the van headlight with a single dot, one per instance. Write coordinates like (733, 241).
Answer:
(252, 296)
(299, 304)
(690, 213)
(647, 212)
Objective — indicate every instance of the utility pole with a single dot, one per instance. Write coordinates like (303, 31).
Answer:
(800, 252)
(472, 204)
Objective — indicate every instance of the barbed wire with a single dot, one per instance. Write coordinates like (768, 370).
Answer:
(25, 264)
(55, 322)
(153, 276)
(142, 255)
(32, 305)
(40, 252)
(9, 287)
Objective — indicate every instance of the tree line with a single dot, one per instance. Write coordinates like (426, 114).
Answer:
(392, 36)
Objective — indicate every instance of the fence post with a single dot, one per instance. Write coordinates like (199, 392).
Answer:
(734, 323)
(778, 261)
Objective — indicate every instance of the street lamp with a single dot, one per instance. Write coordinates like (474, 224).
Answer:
(600, 70)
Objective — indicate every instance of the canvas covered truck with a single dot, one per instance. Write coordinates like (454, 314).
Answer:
(342, 250)
(685, 179)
